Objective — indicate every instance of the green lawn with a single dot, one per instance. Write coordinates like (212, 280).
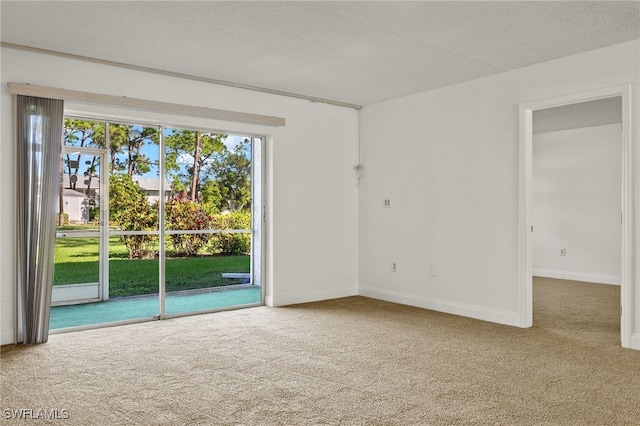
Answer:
(76, 261)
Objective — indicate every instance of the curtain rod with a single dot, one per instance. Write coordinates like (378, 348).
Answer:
(178, 75)
(143, 104)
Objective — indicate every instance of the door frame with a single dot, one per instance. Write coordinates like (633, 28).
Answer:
(525, 257)
(258, 212)
(260, 142)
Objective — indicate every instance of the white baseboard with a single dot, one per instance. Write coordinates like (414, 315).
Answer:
(577, 276)
(476, 312)
(293, 299)
(6, 338)
(635, 342)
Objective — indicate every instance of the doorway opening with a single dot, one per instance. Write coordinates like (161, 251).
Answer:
(529, 216)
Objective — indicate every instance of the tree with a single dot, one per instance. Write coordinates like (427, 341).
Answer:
(232, 171)
(128, 140)
(211, 197)
(189, 156)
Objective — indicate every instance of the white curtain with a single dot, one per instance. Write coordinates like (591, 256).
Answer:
(39, 131)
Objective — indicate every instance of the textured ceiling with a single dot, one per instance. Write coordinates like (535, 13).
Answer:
(353, 52)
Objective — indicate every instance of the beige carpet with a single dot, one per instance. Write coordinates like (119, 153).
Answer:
(351, 361)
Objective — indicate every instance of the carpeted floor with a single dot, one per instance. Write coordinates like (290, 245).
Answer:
(351, 361)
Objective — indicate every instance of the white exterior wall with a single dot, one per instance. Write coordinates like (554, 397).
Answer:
(75, 207)
(448, 159)
(311, 229)
(577, 202)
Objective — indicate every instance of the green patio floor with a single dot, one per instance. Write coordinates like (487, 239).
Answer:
(127, 308)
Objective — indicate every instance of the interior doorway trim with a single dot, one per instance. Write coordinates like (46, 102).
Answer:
(525, 249)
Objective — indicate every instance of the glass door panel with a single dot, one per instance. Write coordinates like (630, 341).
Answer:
(208, 224)
(79, 248)
(134, 238)
(120, 238)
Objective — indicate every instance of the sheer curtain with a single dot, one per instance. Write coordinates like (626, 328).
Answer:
(39, 131)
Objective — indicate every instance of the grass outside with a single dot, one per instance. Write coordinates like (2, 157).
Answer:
(77, 261)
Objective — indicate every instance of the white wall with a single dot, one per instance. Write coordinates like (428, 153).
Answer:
(448, 159)
(576, 193)
(312, 198)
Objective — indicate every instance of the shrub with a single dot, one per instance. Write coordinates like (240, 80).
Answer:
(94, 214)
(231, 244)
(65, 220)
(185, 214)
(129, 210)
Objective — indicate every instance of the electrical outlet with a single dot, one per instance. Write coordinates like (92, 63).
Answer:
(563, 252)
(394, 266)
(387, 203)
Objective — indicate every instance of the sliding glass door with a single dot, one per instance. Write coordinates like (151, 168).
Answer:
(208, 221)
(166, 222)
